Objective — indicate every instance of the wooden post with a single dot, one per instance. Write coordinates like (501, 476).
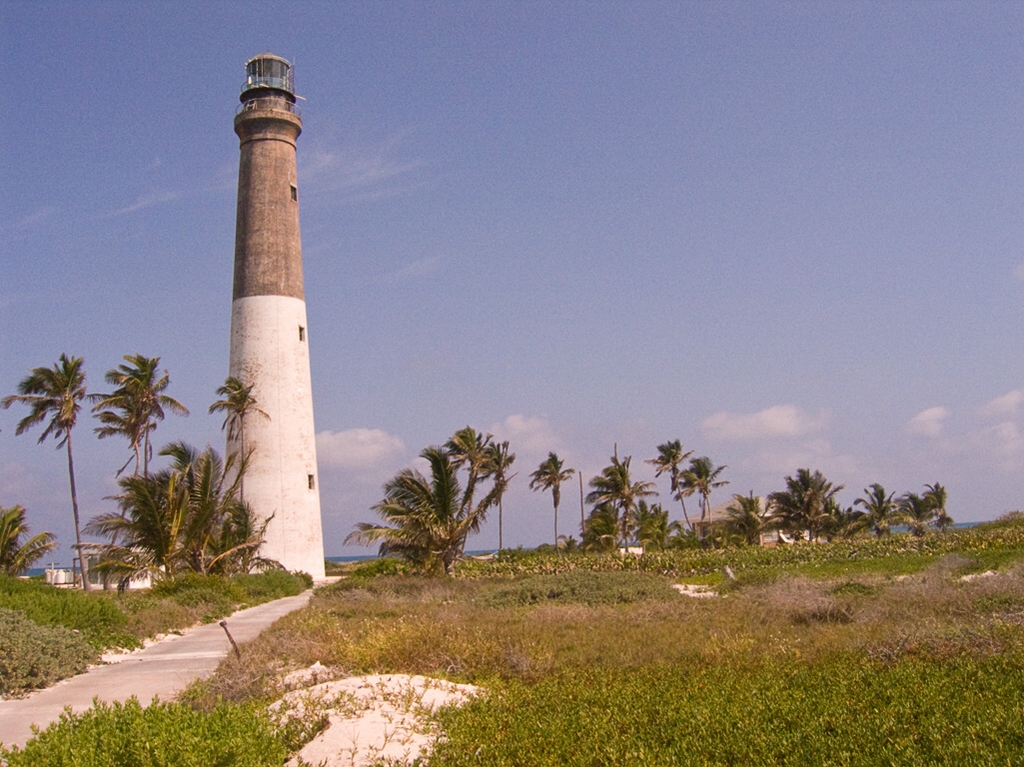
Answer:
(224, 625)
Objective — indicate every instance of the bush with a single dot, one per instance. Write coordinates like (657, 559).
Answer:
(34, 656)
(841, 711)
(590, 589)
(900, 552)
(162, 735)
(216, 596)
(96, 616)
(272, 584)
(381, 566)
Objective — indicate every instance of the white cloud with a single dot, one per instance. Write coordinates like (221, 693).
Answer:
(775, 461)
(422, 465)
(1000, 445)
(1006, 406)
(928, 423)
(147, 200)
(356, 168)
(358, 448)
(775, 421)
(531, 435)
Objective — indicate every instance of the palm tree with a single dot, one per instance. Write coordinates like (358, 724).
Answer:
(135, 407)
(652, 527)
(601, 530)
(470, 448)
(237, 403)
(17, 555)
(670, 458)
(702, 477)
(55, 393)
(499, 460)
(187, 518)
(615, 487)
(936, 496)
(428, 519)
(918, 512)
(803, 505)
(879, 509)
(146, 535)
(840, 522)
(746, 519)
(549, 476)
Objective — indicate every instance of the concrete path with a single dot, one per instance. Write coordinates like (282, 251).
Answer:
(163, 670)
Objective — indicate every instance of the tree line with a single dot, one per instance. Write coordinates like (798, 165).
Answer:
(190, 516)
(427, 519)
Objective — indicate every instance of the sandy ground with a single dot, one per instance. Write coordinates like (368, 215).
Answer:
(697, 592)
(370, 718)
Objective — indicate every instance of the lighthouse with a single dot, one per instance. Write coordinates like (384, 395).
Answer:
(269, 333)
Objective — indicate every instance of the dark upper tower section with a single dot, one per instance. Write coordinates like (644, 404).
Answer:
(266, 75)
(268, 247)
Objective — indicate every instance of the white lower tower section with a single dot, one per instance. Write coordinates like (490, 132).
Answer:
(270, 350)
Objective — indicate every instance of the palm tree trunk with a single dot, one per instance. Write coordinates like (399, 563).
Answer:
(242, 457)
(74, 509)
(583, 516)
(686, 516)
(556, 530)
(499, 524)
(705, 520)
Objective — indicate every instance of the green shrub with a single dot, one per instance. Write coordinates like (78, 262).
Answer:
(590, 589)
(272, 584)
(162, 735)
(891, 554)
(214, 596)
(96, 615)
(34, 656)
(747, 579)
(840, 711)
(381, 566)
(854, 588)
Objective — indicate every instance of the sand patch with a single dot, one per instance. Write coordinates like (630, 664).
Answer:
(371, 718)
(694, 590)
(975, 576)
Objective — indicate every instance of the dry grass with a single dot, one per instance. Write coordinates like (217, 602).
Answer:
(440, 628)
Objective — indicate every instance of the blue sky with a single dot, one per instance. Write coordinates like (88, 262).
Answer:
(788, 234)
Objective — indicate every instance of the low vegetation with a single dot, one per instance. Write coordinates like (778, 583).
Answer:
(842, 711)
(910, 651)
(161, 734)
(47, 634)
(893, 650)
(34, 656)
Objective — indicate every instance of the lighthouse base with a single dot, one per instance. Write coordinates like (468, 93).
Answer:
(270, 350)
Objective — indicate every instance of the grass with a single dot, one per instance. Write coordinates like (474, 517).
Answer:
(44, 629)
(34, 656)
(161, 734)
(856, 653)
(841, 711)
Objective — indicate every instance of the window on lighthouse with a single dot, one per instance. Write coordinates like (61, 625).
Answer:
(311, 481)
(295, 193)
(302, 333)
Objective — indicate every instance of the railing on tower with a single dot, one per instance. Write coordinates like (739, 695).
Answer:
(269, 103)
